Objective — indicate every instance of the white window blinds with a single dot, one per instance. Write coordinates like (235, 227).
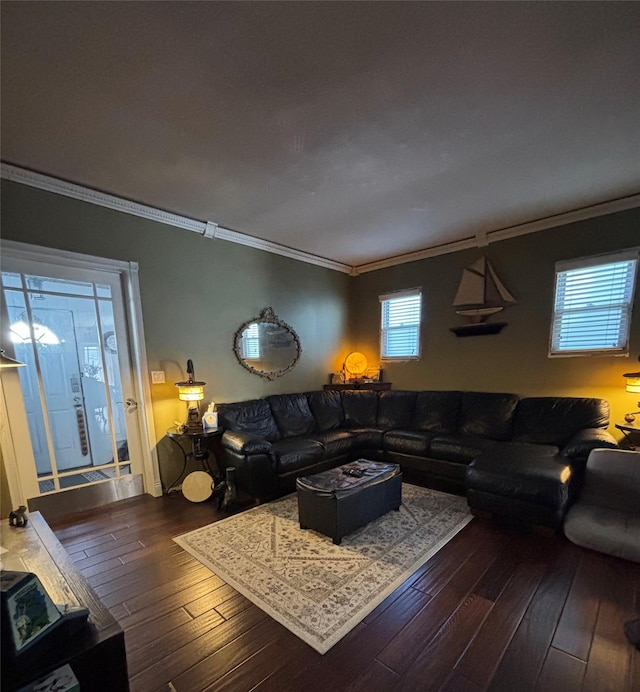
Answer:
(250, 345)
(592, 305)
(400, 324)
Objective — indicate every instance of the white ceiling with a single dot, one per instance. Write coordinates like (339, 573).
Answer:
(353, 131)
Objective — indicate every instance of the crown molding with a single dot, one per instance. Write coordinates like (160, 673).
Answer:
(210, 229)
(444, 249)
(101, 199)
(207, 229)
(591, 212)
(484, 238)
(275, 248)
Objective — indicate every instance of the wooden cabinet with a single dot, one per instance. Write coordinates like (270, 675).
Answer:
(374, 386)
(96, 653)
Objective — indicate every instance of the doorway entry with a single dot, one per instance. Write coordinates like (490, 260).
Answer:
(71, 320)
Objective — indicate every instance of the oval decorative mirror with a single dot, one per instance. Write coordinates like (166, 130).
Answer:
(267, 346)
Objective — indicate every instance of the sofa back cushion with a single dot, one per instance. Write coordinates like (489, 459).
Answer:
(554, 420)
(436, 412)
(326, 408)
(252, 417)
(292, 414)
(487, 415)
(360, 408)
(395, 409)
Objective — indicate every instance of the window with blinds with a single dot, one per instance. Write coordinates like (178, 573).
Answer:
(592, 305)
(400, 324)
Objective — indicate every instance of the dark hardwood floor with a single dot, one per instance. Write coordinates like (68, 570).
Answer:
(495, 609)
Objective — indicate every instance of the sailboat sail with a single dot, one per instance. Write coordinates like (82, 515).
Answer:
(481, 293)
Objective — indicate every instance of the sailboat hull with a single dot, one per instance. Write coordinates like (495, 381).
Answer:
(479, 329)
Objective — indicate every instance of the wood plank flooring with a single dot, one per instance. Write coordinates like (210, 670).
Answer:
(496, 609)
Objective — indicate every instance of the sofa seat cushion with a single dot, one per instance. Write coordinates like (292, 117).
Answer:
(458, 448)
(414, 442)
(530, 473)
(296, 453)
(336, 443)
(367, 438)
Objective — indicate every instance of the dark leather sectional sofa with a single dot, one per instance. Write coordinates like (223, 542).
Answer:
(523, 458)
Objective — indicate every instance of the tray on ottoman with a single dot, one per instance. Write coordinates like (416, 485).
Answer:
(341, 500)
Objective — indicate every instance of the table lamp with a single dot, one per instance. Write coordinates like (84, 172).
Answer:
(633, 386)
(192, 392)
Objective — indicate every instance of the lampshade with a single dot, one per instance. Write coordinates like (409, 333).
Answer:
(190, 390)
(633, 382)
(6, 362)
(193, 391)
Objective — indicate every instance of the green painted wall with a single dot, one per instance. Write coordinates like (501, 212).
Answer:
(195, 294)
(516, 359)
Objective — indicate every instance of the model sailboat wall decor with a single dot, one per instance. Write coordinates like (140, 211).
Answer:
(480, 294)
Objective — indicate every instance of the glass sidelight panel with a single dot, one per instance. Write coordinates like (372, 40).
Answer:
(116, 397)
(25, 353)
(66, 335)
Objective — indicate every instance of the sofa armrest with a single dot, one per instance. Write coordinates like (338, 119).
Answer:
(245, 443)
(585, 440)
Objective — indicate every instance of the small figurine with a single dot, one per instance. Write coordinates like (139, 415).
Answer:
(18, 517)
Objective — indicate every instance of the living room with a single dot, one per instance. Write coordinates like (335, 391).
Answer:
(196, 290)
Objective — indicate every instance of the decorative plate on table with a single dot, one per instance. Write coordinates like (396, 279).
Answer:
(355, 363)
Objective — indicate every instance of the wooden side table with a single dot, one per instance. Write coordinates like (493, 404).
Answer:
(629, 430)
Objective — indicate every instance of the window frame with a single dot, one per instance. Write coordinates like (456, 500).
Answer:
(563, 266)
(386, 297)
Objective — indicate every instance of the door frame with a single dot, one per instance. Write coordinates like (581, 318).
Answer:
(12, 441)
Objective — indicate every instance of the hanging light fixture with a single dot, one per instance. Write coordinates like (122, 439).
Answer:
(192, 392)
(6, 362)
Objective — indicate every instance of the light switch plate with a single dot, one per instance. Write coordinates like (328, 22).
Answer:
(157, 377)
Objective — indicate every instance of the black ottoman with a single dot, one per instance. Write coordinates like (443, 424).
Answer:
(530, 483)
(341, 500)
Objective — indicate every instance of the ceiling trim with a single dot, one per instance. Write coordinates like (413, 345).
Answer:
(102, 199)
(483, 238)
(415, 256)
(210, 229)
(207, 229)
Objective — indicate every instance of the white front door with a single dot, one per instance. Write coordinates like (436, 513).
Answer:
(83, 401)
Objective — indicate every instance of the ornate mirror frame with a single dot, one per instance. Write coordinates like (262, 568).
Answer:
(266, 316)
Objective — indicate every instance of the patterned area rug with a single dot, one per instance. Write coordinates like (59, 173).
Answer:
(319, 590)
